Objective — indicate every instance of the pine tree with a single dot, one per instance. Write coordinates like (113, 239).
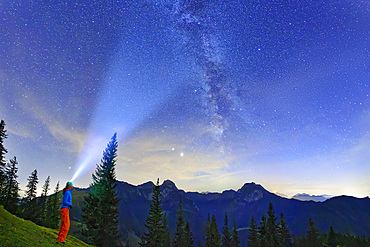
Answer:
(284, 233)
(46, 187)
(312, 234)
(31, 191)
(213, 236)
(208, 230)
(235, 241)
(253, 234)
(11, 186)
(100, 213)
(332, 242)
(3, 151)
(189, 241)
(41, 219)
(272, 228)
(262, 231)
(52, 212)
(166, 233)
(226, 236)
(179, 240)
(28, 208)
(156, 235)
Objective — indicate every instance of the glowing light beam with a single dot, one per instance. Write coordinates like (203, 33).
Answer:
(117, 109)
(89, 156)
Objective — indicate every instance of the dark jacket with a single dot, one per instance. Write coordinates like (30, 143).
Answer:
(67, 199)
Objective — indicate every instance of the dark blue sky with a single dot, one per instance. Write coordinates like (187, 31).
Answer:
(209, 94)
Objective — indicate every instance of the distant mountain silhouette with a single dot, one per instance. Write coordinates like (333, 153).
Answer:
(346, 214)
(307, 197)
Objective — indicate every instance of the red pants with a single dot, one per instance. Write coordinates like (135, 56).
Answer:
(64, 224)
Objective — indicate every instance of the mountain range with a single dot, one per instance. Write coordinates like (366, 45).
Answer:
(307, 197)
(345, 213)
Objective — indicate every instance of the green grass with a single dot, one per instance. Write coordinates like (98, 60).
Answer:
(15, 231)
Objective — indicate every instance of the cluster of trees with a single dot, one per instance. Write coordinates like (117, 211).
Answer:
(42, 210)
(9, 187)
(315, 238)
(214, 238)
(100, 214)
(270, 232)
(157, 234)
(183, 235)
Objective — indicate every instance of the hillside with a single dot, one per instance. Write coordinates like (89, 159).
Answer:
(346, 214)
(15, 231)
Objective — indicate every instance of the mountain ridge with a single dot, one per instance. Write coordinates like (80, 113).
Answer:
(346, 214)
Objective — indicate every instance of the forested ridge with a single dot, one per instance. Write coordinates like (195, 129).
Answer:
(99, 214)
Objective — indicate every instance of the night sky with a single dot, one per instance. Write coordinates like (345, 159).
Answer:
(210, 94)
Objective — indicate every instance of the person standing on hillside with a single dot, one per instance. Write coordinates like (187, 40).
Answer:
(64, 213)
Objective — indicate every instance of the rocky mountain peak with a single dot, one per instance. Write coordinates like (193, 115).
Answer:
(249, 187)
(168, 188)
(251, 192)
(169, 184)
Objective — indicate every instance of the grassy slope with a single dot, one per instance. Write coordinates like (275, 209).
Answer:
(15, 231)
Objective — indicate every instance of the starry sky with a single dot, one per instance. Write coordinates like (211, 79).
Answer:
(210, 94)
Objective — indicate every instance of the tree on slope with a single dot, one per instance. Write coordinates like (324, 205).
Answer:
(312, 234)
(235, 241)
(100, 213)
(262, 229)
(52, 212)
(11, 186)
(179, 240)
(253, 234)
(46, 187)
(226, 236)
(189, 241)
(213, 236)
(332, 242)
(284, 233)
(156, 235)
(272, 237)
(167, 234)
(28, 207)
(3, 151)
(43, 201)
(31, 191)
